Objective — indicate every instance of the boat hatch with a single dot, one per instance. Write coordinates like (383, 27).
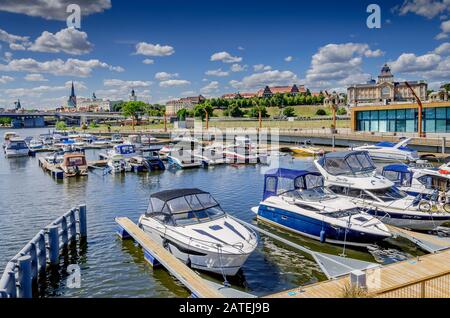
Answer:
(400, 174)
(282, 180)
(347, 163)
(183, 207)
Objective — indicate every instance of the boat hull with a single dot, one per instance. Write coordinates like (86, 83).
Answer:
(315, 228)
(13, 153)
(227, 264)
(424, 222)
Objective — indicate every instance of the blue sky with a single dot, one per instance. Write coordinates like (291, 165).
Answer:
(213, 47)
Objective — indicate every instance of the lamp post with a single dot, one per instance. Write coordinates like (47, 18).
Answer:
(420, 106)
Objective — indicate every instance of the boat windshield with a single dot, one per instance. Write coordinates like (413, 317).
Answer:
(312, 195)
(75, 161)
(186, 210)
(356, 163)
(388, 194)
(125, 149)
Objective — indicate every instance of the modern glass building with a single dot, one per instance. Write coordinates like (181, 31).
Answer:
(401, 118)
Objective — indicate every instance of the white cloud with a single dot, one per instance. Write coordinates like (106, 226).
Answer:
(261, 67)
(128, 84)
(445, 27)
(8, 56)
(11, 38)
(17, 47)
(425, 8)
(241, 48)
(70, 41)
(410, 63)
(288, 59)
(188, 93)
(59, 67)
(164, 76)
(376, 53)
(338, 64)
(54, 9)
(35, 78)
(6, 79)
(174, 82)
(149, 49)
(218, 73)
(271, 78)
(443, 49)
(148, 61)
(225, 57)
(238, 68)
(212, 87)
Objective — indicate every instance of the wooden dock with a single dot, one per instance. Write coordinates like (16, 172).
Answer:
(54, 170)
(427, 276)
(429, 243)
(183, 273)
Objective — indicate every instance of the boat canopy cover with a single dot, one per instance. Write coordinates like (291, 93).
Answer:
(397, 168)
(125, 149)
(347, 162)
(277, 181)
(180, 201)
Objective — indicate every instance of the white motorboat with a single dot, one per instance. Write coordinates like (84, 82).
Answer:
(74, 164)
(184, 159)
(388, 151)
(116, 139)
(419, 179)
(193, 227)
(353, 175)
(35, 144)
(211, 156)
(297, 201)
(118, 164)
(16, 147)
(126, 150)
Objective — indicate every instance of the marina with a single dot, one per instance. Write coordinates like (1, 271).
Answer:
(322, 256)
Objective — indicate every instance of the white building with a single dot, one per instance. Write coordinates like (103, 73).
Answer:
(93, 104)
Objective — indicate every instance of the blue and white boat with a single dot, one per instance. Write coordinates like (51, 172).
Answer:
(414, 180)
(388, 151)
(352, 175)
(183, 159)
(297, 201)
(126, 150)
(16, 147)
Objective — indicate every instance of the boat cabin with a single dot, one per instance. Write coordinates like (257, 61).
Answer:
(17, 144)
(9, 135)
(125, 149)
(403, 176)
(183, 207)
(347, 163)
(74, 160)
(279, 181)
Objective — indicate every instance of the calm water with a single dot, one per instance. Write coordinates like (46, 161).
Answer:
(30, 199)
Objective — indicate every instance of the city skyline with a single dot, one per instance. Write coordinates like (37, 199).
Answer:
(171, 50)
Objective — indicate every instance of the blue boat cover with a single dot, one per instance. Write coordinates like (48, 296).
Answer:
(289, 173)
(397, 168)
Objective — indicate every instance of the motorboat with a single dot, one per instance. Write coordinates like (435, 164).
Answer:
(307, 149)
(297, 201)
(74, 164)
(102, 142)
(244, 151)
(9, 135)
(117, 164)
(16, 147)
(211, 156)
(418, 180)
(46, 139)
(148, 139)
(151, 154)
(126, 150)
(184, 159)
(388, 151)
(192, 226)
(116, 139)
(139, 164)
(35, 144)
(353, 175)
(165, 151)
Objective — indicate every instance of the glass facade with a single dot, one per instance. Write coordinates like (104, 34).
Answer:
(435, 120)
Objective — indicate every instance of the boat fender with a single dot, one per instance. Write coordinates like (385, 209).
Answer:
(323, 236)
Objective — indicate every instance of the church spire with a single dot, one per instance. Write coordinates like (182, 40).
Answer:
(72, 94)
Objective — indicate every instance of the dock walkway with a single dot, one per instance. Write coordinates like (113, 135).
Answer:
(183, 273)
(427, 276)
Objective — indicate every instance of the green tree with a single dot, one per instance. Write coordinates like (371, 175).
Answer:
(446, 87)
(201, 109)
(60, 125)
(341, 111)
(133, 109)
(5, 121)
(182, 114)
(289, 112)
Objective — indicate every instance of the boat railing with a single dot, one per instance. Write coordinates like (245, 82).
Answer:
(44, 249)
